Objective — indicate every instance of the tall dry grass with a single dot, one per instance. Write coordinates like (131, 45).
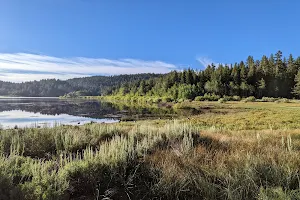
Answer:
(174, 160)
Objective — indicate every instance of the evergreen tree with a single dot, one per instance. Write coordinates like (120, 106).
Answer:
(244, 71)
(296, 89)
(261, 87)
(142, 88)
(291, 72)
(183, 77)
(189, 77)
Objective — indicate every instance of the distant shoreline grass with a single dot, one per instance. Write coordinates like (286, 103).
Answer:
(206, 97)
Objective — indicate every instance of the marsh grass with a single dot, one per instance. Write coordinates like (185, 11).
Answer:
(78, 161)
(226, 166)
(251, 151)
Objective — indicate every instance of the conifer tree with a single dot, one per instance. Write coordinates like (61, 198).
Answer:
(296, 89)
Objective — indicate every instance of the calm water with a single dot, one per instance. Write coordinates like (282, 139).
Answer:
(40, 112)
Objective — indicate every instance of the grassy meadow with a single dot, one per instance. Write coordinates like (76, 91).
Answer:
(232, 150)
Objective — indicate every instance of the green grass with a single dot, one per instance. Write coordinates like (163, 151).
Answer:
(232, 150)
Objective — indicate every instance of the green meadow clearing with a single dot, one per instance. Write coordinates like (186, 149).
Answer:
(232, 150)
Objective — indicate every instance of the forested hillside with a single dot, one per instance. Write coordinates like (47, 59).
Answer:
(273, 76)
(95, 85)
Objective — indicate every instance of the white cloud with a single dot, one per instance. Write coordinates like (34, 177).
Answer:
(205, 61)
(21, 67)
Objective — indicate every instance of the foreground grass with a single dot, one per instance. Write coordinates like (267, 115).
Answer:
(230, 151)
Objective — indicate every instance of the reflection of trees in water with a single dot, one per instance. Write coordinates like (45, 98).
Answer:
(54, 107)
(152, 110)
(91, 108)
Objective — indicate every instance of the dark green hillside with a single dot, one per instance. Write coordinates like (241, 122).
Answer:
(95, 85)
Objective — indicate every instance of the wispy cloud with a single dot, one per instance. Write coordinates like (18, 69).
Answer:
(21, 67)
(205, 61)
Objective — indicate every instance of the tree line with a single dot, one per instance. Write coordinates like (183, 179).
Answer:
(95, 85)
(273, 76)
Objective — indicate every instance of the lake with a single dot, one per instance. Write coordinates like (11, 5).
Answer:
(41, 112)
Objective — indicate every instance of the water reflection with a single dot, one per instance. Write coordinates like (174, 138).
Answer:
(19, 118)
(52, 106)
(38, 111)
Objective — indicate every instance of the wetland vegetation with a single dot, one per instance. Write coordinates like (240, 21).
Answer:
(232, 150)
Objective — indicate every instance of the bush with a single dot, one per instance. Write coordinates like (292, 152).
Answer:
(207, 97)
(211, 97)
(231, 98)
(236, 98)
(180, 100)
(222, 100)
(268, 99)
(199, 98)
(250, 99)
(284, 100)
(225, 98)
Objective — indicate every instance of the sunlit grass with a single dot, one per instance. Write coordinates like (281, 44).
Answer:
(232, 150)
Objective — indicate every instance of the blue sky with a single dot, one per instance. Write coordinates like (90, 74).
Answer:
(73, 38)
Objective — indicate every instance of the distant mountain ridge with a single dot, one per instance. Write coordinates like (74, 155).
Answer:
(95, 85)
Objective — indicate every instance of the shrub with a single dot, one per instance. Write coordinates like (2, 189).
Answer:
(236, 98)
(268, 99)
(226, 98)
(250, 99)
(199, 98)
(180, 100)
(211, 97)
(231, 98)
(284, 100)
(222, 100)
(207, 97)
